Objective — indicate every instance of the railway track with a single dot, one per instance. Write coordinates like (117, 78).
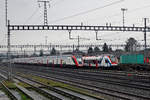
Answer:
(103, 78)
(36, 88)
(34, 82)
(8, 91)
(48, 87)
(121, 95)
(85, 84)
(2, 78)
(130, 95)
(138, 77)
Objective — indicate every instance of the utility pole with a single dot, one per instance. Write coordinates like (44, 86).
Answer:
(78, 38)
(78, 42)
(73, 47)
(145, 26)
(24, 53)
(9, 53)
(34, 49)
(123, 13)
(96, 35)
(45, 2)
(46, 40)
(6, 11)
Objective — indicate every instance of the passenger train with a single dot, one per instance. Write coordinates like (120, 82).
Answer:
(100, 61)
(70, 61)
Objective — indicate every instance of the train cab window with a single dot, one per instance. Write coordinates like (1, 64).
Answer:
(79, 60)
(106, 61)
(112, 58)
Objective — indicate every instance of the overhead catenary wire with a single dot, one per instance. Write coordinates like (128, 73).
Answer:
(88, 11)
(32, 15)
(4, 39)
(37, 10)
(131, 11)
(57, 2)
(136, 9)
(119, 13)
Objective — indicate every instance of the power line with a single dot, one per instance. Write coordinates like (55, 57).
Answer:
(129, 11)
(59, 1)
(32, 15)
(88, 11)
(37, 9)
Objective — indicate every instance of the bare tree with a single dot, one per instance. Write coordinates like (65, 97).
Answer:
(96, 49)
(105, 48)
(131, 45)
(90, 50)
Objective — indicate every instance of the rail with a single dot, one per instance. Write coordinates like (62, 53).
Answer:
(55, 90)
(9, 93)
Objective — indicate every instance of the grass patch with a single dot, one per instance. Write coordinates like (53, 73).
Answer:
(0, 86)
(63, 85)
(23, 96)
(24, 85)
(9, 84)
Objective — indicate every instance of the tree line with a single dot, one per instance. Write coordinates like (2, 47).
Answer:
(131, 45)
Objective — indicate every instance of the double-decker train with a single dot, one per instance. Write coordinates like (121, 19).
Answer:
(100, 61)
(105, 60)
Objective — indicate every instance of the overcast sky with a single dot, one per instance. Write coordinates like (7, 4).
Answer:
(89, 12)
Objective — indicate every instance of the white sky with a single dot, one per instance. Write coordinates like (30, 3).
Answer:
(28, 12)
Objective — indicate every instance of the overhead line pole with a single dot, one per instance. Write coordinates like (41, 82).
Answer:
(145, 27)
(123, 13)
(6, 11)
(78, 38)
(81, 28)
(45, 11)
(9, 53)
(57, 45)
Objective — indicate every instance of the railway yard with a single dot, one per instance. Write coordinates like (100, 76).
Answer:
(83, 50)
(43, 83)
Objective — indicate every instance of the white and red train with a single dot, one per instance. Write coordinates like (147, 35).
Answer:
(70, 61)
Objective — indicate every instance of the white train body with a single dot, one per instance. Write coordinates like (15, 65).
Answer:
(100, 61)
(70, 60)
(50, 60)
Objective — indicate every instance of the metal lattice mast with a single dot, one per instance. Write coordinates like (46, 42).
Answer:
(45, 2)
(123, 10)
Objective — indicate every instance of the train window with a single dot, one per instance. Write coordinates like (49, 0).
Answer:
(106, 61)
(94, 61)
(86, 61)
(80, 62)
(99, 61)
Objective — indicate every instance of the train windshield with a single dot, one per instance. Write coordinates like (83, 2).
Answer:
(79, 60)
(113, 59)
